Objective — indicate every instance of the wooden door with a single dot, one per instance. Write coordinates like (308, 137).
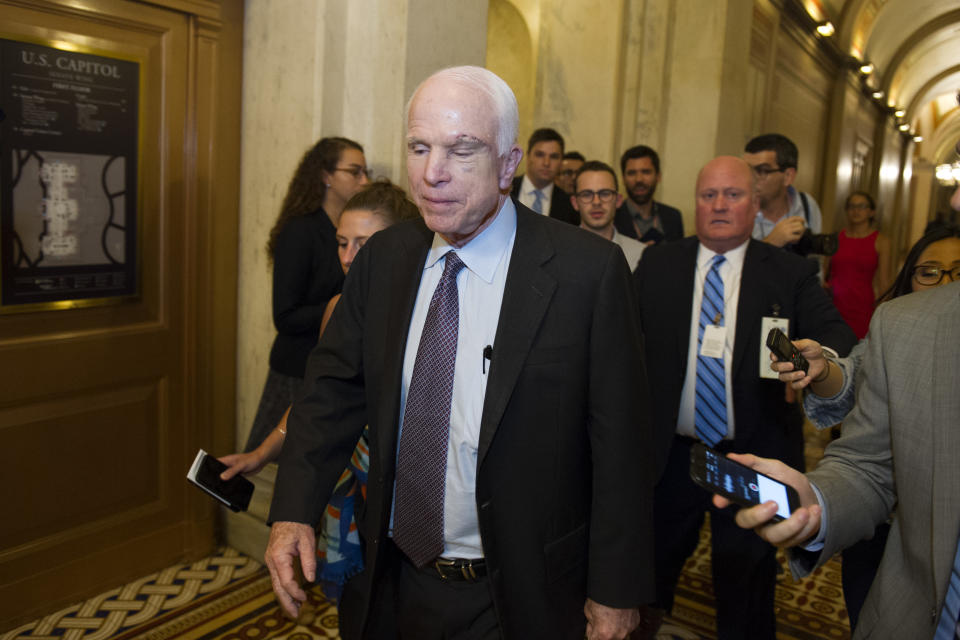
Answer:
(103, 407)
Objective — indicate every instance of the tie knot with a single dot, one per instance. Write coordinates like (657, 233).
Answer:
(717, 261)
(451, 266)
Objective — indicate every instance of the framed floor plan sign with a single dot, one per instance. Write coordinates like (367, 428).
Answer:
(68, 177)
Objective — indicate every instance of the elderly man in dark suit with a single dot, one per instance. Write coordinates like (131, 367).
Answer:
(495, 355)
(705, 326)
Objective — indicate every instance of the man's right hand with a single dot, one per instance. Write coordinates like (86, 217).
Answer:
(289, 540)
(800, 527)
(787, 231)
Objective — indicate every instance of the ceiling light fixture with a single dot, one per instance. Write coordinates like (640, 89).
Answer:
(866, 68)
(826, 29)
(877, 95)
(899, 113)
(904, 127)
(918, 138)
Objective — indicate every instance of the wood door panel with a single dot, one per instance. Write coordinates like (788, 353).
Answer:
(102, 408)
(105, 444)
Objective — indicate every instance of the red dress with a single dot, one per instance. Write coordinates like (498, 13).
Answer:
(852, 269)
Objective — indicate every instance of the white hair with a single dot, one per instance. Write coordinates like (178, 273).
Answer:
(499, 93)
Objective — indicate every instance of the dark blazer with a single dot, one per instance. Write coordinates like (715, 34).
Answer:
(671, 219)
(306, 274)
(564, 463)
(772, 282)
(560, 207)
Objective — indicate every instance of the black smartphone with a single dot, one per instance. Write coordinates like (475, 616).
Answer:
(719, 474)
(779, 343)
(205, 473)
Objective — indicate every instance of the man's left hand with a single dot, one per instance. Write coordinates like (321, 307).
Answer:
(607, 623)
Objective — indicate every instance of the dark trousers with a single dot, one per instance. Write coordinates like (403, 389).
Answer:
(417, 604)
(744, 566)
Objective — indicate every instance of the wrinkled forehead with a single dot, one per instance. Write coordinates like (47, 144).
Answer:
(454, 104)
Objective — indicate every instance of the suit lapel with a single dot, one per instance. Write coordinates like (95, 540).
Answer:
(942, 362)
(684, 285)
(749, 306)
(526, 297)
(406, 270)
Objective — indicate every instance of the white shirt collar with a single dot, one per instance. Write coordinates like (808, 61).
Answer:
(482, 253)
(527, 187)
(734, 256)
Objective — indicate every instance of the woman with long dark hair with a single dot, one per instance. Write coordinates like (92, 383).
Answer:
(306, 270)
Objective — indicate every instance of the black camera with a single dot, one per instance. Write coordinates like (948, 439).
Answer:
(821, 244)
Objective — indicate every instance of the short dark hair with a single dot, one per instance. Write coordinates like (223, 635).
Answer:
(545, 134)
(783, 146)
(574, 155)
(595, 165)
(639, 151)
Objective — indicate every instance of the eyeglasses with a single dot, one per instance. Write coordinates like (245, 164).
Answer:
(606, 195)
(763, 171)
(356, 172)
(931, 276)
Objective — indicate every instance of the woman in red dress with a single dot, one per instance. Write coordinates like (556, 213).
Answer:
(860, 269)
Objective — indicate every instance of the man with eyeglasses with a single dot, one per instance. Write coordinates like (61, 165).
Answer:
(536, 188)
(785, 213)
(596, 199)
(572, 161)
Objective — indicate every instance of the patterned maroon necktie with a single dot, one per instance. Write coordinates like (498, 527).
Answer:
(422, 456)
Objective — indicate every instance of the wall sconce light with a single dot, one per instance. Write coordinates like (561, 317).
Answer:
(904, 127)
(877, 95)
(899, 113)
(826, 29)
(918, 138)
(947, 174)
(866, 68)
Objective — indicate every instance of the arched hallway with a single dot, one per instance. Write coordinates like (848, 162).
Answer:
(116, 398)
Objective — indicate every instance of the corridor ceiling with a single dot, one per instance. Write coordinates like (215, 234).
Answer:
(914, 46)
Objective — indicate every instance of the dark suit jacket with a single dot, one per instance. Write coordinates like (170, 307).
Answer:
(560, 207)
(670, 218)
(772, 281)
(564, 463)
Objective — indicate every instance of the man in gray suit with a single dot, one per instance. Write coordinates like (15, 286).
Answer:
(900, 448)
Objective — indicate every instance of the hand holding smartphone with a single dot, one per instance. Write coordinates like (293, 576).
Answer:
(740, 484)
(780, 345)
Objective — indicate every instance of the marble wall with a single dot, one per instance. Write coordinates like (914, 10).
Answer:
(316, 68)
(612, 74)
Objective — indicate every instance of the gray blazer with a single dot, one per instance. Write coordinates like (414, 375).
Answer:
(900, 448)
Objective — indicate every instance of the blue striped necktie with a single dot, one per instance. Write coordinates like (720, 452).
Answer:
(710, 420)
(949, 627)
(538, 201)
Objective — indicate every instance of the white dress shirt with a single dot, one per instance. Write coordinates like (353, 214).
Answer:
(730, 272)
(480, 292)
(527, 197)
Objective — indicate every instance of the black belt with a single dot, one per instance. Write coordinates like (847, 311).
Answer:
(459, 569)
